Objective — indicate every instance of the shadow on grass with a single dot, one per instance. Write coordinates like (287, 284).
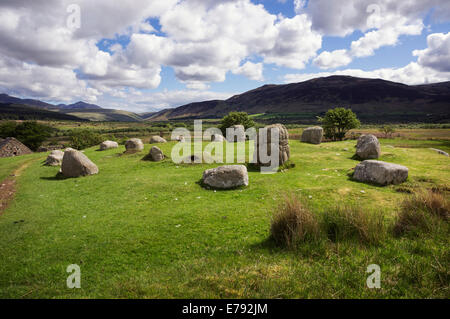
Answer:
(207, 187)
(57, 177)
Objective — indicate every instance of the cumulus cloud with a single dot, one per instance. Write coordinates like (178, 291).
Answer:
(437, 55)
(253, 71)
(331, 60)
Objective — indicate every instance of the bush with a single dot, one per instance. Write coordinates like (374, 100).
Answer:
(337, 122)
(236, 118)
(81, 139)
(422, 212)
(293, 224)
(351, 222)
(32, 134)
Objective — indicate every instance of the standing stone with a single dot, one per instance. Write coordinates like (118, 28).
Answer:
(156, 154)
(379, 172)
(54, 158)
(283, 146)
(238, 136)
(217, 138)
(75, 164)
(157, 139)
(12, 147)
(312, 135)
(106, 145)
(134, 145)
(368, 147)
(226, 177)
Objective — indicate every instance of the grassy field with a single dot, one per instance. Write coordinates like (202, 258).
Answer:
(148, 230)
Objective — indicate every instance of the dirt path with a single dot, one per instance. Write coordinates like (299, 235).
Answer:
(8, 186)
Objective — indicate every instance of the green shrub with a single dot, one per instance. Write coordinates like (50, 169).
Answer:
(293, 223)
(352, 222)
(81, 139)
(337, 122)
(236, 118)
(30, 133)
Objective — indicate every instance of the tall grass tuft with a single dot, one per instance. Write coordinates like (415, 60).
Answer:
(293, 223)
(422, 212)
(352, 222)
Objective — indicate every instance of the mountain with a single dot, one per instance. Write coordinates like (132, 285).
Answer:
(6, 99)
(10, 111)
(373, 100)
(103, 115)
(79, 106)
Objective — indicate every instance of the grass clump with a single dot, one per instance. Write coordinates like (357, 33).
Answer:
(423, 211)
(293, 223)
(351, 222)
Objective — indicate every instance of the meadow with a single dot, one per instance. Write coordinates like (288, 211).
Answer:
(142, 229)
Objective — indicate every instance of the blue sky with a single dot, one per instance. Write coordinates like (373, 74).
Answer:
(145, 55)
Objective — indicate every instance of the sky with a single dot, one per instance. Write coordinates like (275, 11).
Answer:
(141, 55)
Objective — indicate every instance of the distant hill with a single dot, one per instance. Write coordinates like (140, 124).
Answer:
(9, 111)
(7, 99)
(374, 101)
(79, 106)
(104, 115)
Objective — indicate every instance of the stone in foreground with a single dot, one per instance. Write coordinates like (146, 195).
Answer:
(54, 158)
(157, 139)
(12, 147)
(439, 151)
(283, 146)
(106, 145)
(76, 164)
(368, 147)
(156, 154)
(379, 172)
(226, 177)
(312, 135)
(134, 145)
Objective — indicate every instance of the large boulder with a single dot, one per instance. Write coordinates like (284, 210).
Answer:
(239, 134)
(379, 172)
(134, 145)
(106, 145)
(217, 138)
(312, 135)
(75, 164)
(157, 139)
(155, 154)
(368, 147)
(226, 177)
(54, 158)
(283, 145)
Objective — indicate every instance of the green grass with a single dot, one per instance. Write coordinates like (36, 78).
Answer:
(148, 230)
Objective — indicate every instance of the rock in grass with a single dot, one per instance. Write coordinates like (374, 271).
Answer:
(157, 139)
(54, 158)
(312, 135)
(76, 164)
(226, 177)
(379, 172)
(134, 145)
(439, 151)
(106, 145)
(284, 152)
(368, 147)
(156, 154)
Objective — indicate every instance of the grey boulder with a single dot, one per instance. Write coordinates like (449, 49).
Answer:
(156, 154)
(368, 147)
(106, 145)
(235, 133)
(134, 145)
(217, 138)
(75, 164)
(226, 177)
(439, 151)
(379, 172)
(312, 135)
(157, 139)
(54, 158)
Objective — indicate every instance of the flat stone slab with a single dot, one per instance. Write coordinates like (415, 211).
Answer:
(381, 173)
(226, 177)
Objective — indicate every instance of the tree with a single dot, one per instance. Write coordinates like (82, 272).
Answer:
(32, 134)
(337, 122)
(236, 118)
(81, 139)
(388, 130)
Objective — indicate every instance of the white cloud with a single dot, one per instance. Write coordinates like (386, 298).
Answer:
(253, 71)
(331, 60)
(437, 55)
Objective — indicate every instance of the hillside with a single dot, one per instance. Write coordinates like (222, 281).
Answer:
(9, 111)
(104, 115)
(374, 100)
